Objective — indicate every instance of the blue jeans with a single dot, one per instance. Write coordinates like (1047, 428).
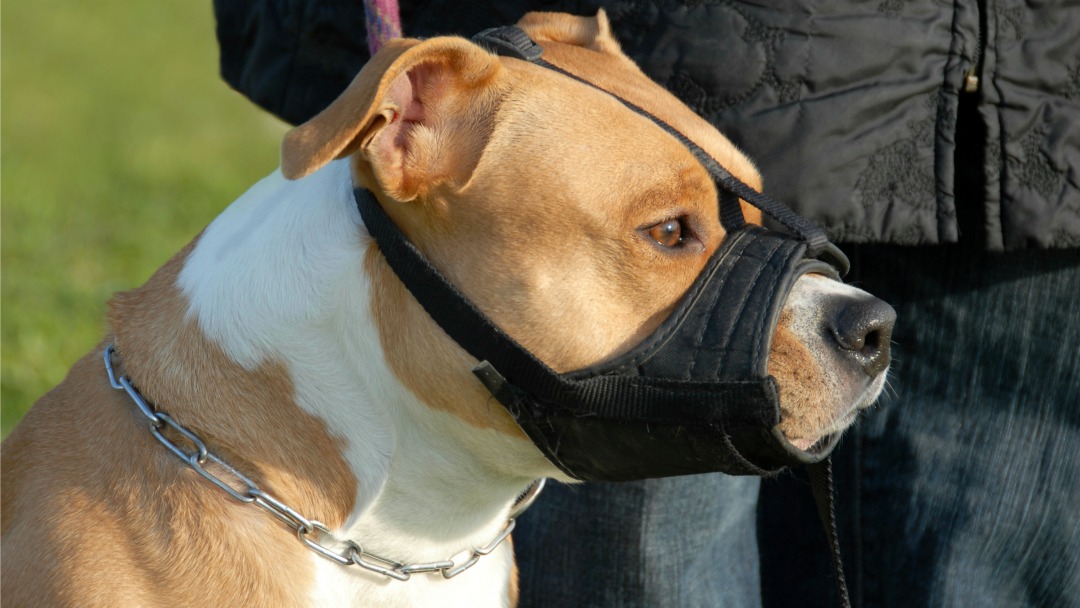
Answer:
(961, 488)
(684, 541)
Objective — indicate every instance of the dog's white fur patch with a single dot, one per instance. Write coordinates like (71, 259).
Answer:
(279, 277)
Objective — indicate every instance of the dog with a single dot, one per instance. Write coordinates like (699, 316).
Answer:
(281, 339)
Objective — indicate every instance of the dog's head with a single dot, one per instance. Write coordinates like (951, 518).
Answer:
(572, 222)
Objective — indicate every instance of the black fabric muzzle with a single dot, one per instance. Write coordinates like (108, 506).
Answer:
(694, 397)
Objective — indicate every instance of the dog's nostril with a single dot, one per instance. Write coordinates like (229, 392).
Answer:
(863, 328)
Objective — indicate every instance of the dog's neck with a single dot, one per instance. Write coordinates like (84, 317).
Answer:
(276, 290)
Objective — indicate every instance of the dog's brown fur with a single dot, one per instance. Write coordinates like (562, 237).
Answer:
(108, 502)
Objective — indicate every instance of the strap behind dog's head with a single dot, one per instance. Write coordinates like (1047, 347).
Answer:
(512, 41)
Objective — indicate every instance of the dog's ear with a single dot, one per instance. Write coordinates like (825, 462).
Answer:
(406, 114)
(589, 32)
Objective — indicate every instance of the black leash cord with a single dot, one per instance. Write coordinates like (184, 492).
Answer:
(821, 483)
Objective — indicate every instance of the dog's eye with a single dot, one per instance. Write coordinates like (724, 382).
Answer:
(668, 233)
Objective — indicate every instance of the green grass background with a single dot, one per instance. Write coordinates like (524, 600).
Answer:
(119, 143)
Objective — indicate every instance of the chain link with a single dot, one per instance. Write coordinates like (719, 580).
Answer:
(312, 533)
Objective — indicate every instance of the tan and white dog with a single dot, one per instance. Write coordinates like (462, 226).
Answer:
(281, 337)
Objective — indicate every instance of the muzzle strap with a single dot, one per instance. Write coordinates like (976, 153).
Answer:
(599, 395)
(511, 41)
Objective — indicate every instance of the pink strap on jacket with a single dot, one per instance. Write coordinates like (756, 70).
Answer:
(383, 22)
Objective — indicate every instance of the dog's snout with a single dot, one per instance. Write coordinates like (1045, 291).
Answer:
(863, 329)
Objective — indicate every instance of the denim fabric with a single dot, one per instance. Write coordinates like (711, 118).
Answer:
(687, 541)
(962, 488)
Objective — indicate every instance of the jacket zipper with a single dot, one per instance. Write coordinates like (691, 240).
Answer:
(971, 77)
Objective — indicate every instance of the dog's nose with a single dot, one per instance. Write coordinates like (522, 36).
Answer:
(863, 328)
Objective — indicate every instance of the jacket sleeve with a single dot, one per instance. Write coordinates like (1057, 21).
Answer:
(291, 57)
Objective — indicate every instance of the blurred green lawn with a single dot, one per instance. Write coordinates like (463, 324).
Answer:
(119, 143)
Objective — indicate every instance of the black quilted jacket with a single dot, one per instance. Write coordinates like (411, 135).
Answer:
(886, 121)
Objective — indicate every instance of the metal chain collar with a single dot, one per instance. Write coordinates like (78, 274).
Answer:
(309, 531)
